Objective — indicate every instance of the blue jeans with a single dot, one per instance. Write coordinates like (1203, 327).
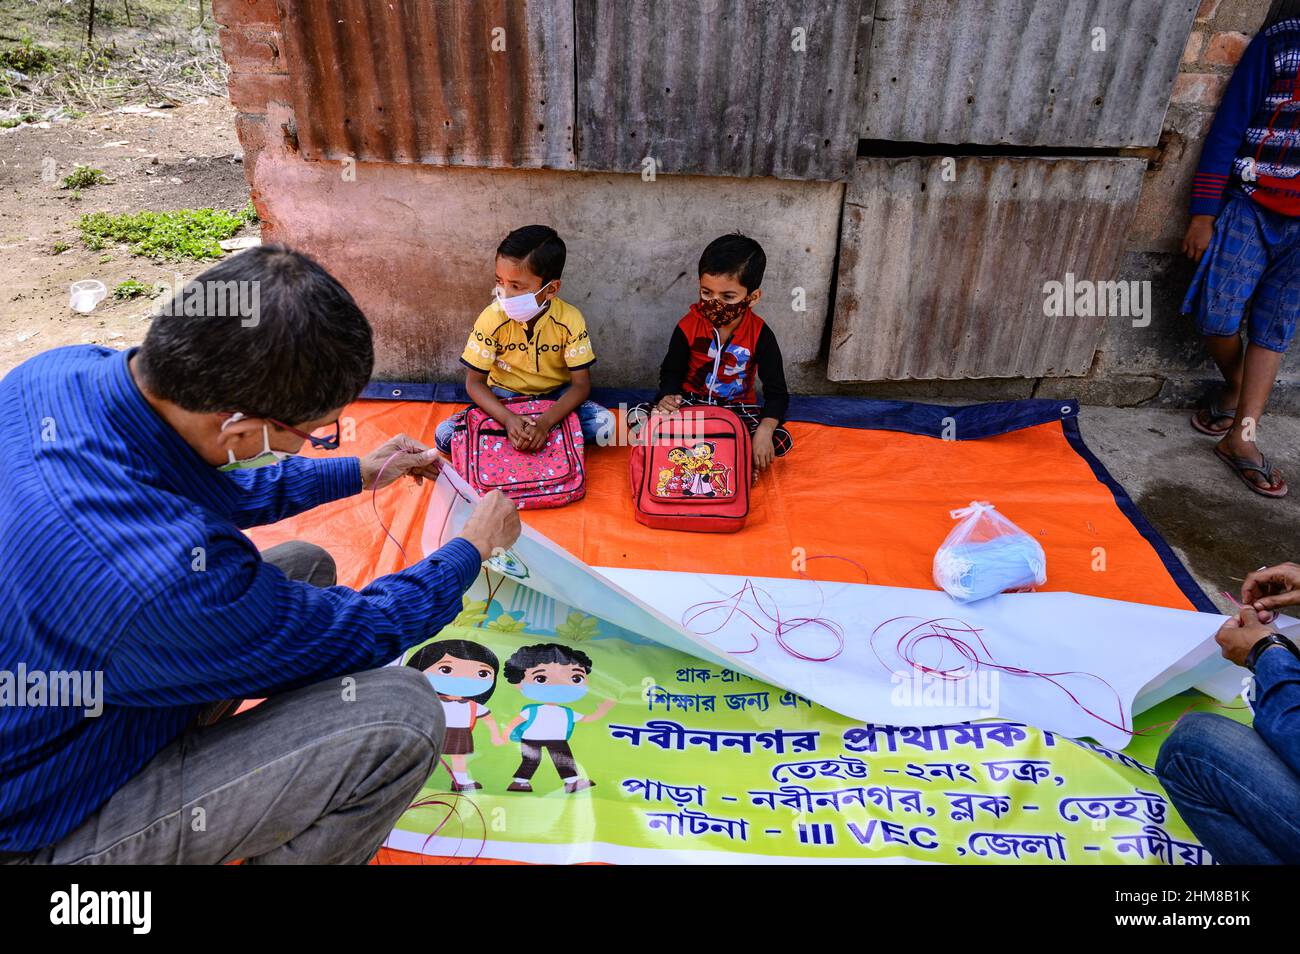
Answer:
(1238, 797)
(592, 417)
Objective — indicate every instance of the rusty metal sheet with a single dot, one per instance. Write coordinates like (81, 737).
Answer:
(721, 87)
(944, 263)
(443, 82)
(1024, 72)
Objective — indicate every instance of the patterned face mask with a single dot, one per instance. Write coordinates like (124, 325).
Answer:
(720, 313)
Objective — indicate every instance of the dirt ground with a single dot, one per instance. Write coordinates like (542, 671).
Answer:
(161, 159)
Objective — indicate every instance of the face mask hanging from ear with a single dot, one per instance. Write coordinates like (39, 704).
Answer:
(266, 458)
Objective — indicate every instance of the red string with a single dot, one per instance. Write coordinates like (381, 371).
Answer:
(943, 629)
(451, 801)
(771, 622)
(778, 628)
(951, 633)
(374, 493)
(1169, 726)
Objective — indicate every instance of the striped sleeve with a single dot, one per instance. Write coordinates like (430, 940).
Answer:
(241, 628)
(269, 494)
(1242, 98)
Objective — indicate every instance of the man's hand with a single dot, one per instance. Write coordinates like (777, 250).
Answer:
(668, 404)
(408, 456)
(1271, 588)
(764, 452)
(1239, 635)
(1199, 232)
(493, 524)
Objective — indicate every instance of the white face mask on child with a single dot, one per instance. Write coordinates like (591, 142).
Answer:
(520, 308)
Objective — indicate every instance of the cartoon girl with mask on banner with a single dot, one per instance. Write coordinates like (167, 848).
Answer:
(551, 675)
(464, 674)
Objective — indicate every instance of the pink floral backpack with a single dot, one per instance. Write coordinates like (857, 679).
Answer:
(482, 453)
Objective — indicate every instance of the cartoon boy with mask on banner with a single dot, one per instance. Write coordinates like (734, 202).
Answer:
(551, 675)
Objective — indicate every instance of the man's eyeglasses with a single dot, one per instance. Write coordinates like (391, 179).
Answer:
(320, 443)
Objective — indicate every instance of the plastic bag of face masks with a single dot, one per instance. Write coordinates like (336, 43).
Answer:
(986, 554)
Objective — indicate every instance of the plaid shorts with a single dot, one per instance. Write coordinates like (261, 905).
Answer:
(1253, 260)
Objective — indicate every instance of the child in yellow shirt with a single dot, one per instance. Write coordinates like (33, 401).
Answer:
(530, 342)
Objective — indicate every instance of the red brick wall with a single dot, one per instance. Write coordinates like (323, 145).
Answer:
(251, 44)
(1213, 49)
(1219, 36)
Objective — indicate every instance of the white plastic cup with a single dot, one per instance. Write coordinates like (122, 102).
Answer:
(86, 294)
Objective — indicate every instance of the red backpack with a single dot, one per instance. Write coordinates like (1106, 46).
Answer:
(691, 471)
(482, 453)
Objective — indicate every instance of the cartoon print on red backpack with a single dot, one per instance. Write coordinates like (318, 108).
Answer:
(673, 480)
(706, 473)
(685, 483)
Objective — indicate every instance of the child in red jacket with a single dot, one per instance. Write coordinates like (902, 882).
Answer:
(721, 350)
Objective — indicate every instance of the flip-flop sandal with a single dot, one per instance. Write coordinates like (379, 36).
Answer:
(1241, 467)
(1216, 413)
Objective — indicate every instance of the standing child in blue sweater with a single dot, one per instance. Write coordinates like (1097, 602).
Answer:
(1245, 231)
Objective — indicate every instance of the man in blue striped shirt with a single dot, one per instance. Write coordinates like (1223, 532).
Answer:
(124, 574)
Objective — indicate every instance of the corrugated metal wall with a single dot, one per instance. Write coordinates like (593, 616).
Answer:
(1024, 72)
(422, 82)
(944, 279)
(941, 283)
(721, 87)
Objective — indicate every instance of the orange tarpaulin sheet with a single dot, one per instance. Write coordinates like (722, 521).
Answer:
(879, 498)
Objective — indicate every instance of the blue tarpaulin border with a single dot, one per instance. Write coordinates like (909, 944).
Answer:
(961, 422)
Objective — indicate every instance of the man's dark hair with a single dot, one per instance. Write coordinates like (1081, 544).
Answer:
(539, 247)
(304, 351)
(427, 655)
(1281, 10)
(736, 256)
(541, 654)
